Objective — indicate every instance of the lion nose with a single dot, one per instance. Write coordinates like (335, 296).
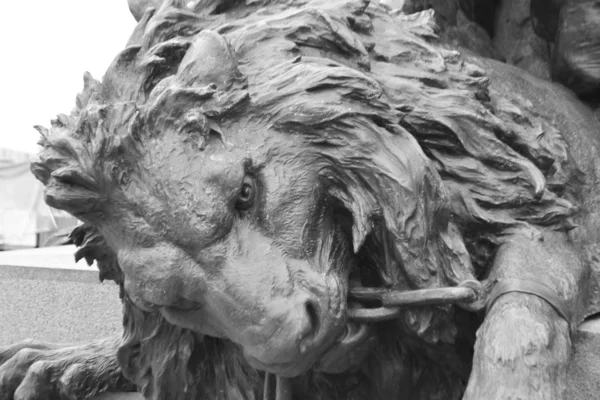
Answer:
(301, 317)
(311, 312)
(311, 322)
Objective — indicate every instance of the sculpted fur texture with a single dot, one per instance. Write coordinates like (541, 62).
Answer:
(242, 165)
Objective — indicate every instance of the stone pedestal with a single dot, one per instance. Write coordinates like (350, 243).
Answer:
(45, 296)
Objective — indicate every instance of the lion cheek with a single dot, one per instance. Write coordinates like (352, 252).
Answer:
(196, 320)
(148, 294)
(136, 297)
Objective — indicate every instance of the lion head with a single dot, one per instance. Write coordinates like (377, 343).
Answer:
(245, 164)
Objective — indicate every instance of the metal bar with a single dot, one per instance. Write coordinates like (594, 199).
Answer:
(424, 297)
(373, 314)
(365, 293)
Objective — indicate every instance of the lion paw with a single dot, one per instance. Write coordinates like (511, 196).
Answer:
(34, 370)
(521, 352)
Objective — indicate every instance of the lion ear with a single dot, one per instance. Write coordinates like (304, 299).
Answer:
(209, 60)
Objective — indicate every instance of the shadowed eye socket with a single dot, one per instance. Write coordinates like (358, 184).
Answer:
(247, 193)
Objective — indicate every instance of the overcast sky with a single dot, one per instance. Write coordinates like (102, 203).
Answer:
(46, 47)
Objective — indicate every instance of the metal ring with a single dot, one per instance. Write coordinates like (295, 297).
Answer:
(479, 299)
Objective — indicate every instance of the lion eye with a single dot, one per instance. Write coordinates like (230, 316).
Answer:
(247, 192)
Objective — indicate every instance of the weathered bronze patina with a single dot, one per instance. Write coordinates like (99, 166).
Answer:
(318, 200)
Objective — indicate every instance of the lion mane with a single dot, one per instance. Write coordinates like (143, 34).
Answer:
(378, 99)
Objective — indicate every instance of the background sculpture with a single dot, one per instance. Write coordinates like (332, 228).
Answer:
(243, 166)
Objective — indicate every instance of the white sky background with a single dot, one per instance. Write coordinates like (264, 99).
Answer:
(46, 46)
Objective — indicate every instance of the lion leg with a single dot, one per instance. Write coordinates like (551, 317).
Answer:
(523, 346)
(35, 370)
(522, 351)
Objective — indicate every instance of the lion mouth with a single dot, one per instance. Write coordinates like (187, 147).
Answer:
(287, 369)
(348, 351)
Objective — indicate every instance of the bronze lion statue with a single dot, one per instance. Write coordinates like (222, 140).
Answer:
(257, 176)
